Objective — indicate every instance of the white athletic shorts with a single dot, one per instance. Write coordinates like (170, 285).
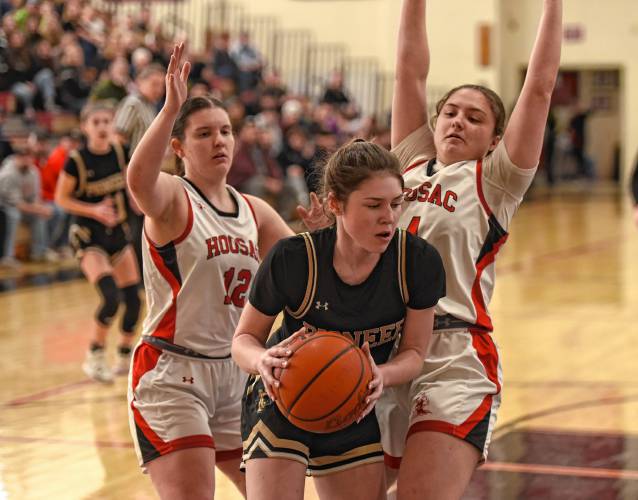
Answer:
(458, 392)
(178, 402)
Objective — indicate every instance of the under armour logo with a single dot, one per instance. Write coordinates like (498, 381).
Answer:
(188, 379)
(319, 305)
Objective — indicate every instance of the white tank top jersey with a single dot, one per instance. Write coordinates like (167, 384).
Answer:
(464, 210)
(197, 285)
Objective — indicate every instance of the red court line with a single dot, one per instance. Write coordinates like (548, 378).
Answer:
(561, 470)
(53, 391)
(75, 442)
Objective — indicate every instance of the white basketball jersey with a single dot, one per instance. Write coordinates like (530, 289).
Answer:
(197, 285)
(464, 210)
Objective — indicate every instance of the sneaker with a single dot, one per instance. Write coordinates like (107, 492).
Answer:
(10, 262)
(65, 253)
(96, 368)
(50, 256)
(123, 364)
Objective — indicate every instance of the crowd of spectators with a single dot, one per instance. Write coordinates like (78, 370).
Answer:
(57, 55)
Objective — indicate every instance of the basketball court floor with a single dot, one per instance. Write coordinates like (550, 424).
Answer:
(565, 311)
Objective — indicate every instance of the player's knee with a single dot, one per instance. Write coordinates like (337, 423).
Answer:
(132, 305)
(110, 299)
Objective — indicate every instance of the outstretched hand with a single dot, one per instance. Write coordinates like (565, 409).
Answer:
(314, 217)
(176, 80)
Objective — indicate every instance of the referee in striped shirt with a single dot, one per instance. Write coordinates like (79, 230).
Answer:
(134, 115)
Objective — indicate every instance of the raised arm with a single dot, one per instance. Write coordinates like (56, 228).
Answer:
(409, 102)
(156, 192)
(524, 134)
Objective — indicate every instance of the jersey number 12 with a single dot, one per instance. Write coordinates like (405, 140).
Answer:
(236, 295)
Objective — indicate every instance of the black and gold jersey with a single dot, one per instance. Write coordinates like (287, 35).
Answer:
(298, 277)
(99, 176)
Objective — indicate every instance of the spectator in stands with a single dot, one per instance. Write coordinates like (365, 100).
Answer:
(256, 172)
(272, 84)
(224, 65)
(50, 26)
(291, 115)
(199, 88)
(298, 150)
(74, 80)
(114, 86)
(141, 58)
(20, 201)
(25, 78)
(236, 112)
(91, 35)
(335, 92)
(6, 149)
(249, 62)
(325, 144)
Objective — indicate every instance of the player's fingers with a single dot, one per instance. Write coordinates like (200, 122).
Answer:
(279, 351)
(274, 360)
(172, 63)
(286, 342)
(315, 202)
(301, 210)
(366, 410)
(185, 71)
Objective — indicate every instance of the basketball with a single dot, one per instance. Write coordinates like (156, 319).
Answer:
(324, 386)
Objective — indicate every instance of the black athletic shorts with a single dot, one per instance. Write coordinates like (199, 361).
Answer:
(267, 433)
(109, 240)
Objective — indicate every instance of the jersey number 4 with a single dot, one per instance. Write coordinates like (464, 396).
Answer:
(413, 226)
(237, 294)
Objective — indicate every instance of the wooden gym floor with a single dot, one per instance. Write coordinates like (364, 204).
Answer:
(565, 312)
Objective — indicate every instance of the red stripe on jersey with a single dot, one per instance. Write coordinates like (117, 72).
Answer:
(189, 222)
(166, 327)
(435, 426)
(392, 462)
(482, 318)
(479, 187)
(487, 354)
(414, 165)
(252, 210)
(187, 229)
(145, 359)
(165, 447)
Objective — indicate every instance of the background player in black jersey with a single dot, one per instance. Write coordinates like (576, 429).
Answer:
(360, 291)
(92, 187)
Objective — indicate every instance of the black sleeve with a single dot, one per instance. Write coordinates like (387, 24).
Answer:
(71, 168)
(282, 277)
(634, 184)
(425, 274)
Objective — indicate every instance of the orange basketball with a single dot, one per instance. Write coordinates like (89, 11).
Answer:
(324, 386)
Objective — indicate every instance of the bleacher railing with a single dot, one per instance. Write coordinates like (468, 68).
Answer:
(304, 63)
